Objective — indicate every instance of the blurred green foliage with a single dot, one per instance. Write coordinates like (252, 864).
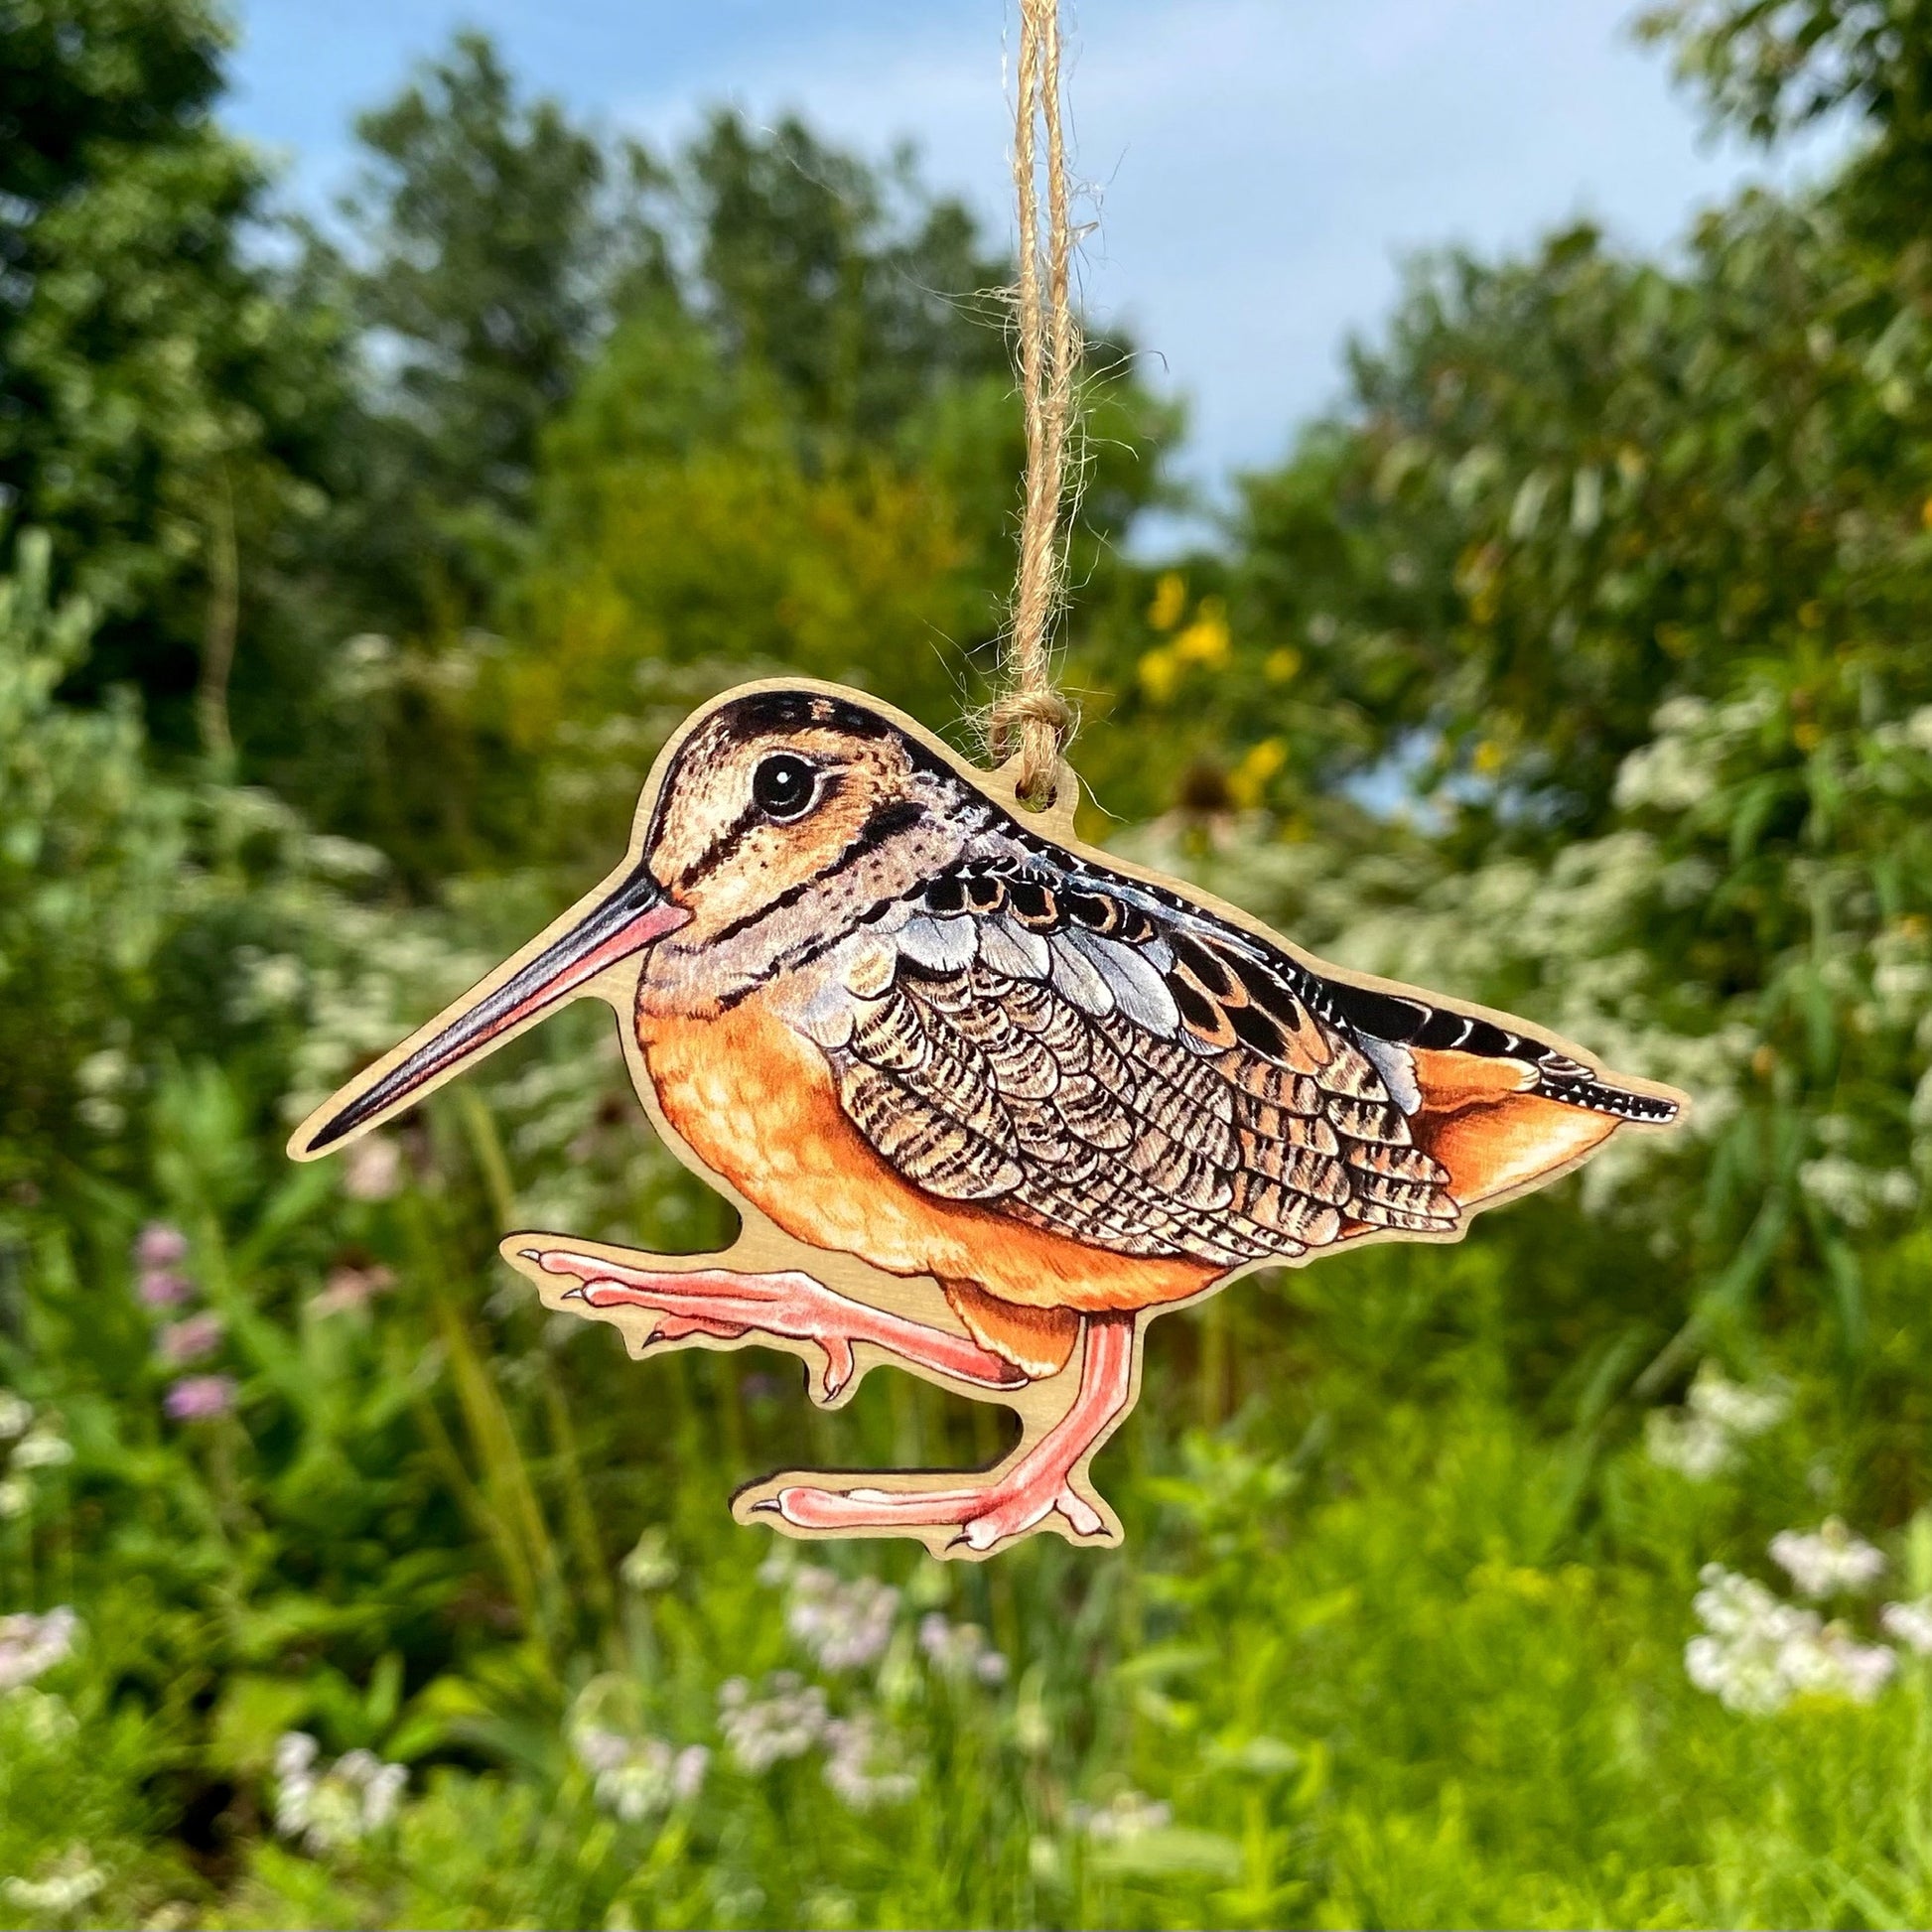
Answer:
(353, 574)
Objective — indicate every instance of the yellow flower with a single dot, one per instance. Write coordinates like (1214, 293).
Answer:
(1488, 757)
(1160, 675)
(1282, 664)
(1170, 601)
(1205, 640)
(1248, 782)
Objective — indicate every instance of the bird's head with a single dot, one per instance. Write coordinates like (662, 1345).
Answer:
(793, 805)
(781, 814)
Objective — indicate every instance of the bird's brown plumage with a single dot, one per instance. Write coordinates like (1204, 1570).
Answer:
(757, 1103)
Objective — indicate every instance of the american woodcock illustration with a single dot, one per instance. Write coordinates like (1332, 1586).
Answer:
(986, 1099)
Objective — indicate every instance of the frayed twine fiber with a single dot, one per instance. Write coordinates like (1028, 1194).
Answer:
(1033, 711)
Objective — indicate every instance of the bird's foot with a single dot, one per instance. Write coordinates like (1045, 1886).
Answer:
(1020, 1496)
(980, 1517)
(726, 1306)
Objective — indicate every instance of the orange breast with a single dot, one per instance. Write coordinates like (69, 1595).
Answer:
(756, 1103)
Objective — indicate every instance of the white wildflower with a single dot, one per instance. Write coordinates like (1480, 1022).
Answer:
(688, 1770)
(598, 1750)
(380, 1784)
(1740, 1659)
(960, 1650)
(1853, 1193)
(272, 983)
(1046, 1861)
(1835, 1664)
(31, 1645)
(1669, 774)
(785, 1723)
(1733, 1407)
(344, 859)
(16, 1413)
(103, 1072)
(1828, 1560)
(1125, 1817)
(1692, 1446)
(1759, 1651)
(1740, 716)
(1900, 984)
(650, 1564)
(42, 1447)
(1730, 1605)
(1679, 714)
(1701, 1439)
(15, 1498)
(844, 1624)
(858, 1765)
(1896, 1190)
(68, 1886)
(295, 1782)
(639, 1777)
(340, 1806)
(1910, 1623)
(100, 1112)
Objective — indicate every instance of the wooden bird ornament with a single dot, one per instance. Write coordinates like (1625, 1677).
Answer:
(986, 1099)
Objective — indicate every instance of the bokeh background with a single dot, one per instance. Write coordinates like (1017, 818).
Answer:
(1504, 563)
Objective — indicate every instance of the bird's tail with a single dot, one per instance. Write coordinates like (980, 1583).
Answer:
(1560, 1078)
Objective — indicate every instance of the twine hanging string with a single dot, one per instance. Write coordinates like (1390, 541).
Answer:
(1032, 711)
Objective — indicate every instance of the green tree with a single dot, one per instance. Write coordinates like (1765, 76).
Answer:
(854, 288)
(164, 412)
(1577, 485)
(1773, 67)
(489, 240)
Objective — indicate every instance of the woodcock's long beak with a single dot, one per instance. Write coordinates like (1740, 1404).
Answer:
(624, 922)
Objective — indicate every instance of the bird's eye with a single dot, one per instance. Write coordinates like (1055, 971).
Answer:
(785, 787)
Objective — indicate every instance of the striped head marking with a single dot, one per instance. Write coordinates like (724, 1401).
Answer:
(787, 815)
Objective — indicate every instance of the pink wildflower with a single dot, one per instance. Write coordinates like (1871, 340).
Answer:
(159, 1245)
(352, 1287)
(372, 1169)
(196, 1398)
(161, 1288)
(187, 1341)
(30, 1645)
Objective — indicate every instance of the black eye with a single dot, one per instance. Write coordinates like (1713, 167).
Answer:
(783, 786)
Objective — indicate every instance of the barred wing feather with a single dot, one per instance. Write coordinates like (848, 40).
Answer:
(1063, 1048)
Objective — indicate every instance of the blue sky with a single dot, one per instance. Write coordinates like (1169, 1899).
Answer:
(1261, 166)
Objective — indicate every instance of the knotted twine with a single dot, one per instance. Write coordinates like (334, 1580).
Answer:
(1033, 710)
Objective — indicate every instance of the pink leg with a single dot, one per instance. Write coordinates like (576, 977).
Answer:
(718, 1302)
(1021, 1495)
